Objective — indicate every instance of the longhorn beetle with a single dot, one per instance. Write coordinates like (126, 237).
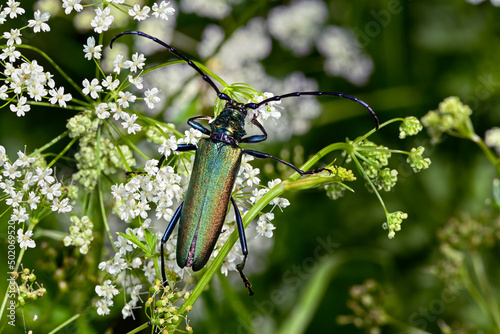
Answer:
(216, 164)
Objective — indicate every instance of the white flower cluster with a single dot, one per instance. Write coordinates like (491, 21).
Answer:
(300, 25)
(344, 55)
(29, 190)
(119, 267)
(28, 78)
(122, 99)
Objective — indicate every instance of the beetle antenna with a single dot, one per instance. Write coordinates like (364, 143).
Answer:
(341, 95)
(205, 77)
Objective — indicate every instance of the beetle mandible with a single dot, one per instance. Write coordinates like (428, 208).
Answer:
(217, 161)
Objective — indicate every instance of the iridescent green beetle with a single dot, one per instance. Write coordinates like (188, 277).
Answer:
(216, 164)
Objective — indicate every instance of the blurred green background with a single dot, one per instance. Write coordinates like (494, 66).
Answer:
(422, 52)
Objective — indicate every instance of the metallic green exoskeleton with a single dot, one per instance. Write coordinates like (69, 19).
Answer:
(214, 172)
(217, 161)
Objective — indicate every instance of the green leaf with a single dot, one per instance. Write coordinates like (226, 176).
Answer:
(133, 239)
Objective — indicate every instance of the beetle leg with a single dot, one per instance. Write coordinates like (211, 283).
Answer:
(166, 236)
(257, 138)
(262, 155)
(244, 248)
(192, 122)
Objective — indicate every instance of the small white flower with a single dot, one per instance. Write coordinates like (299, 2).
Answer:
(19, 215)
(169, 145)
(23, 160)
(59, 96)
(251, 177)
(11, 171)
(163, 10)
(266, 110)
(264, 225)
(44, 176)
(33, 200)
(24, 239)
(92, 50)
(39, 22)
(138, 13)
(151, 97)
(137, 62)
(129, 123)
(13, 9)
(125, 98)
(102, 111)
(106, 290)
(13, 37)
(69, 5)
(191, 136)
(11, 53)
(61, 206)
(137, 81)
(3, 92)
(109, 83)
(103, 306)
(20, 108)
(92, 88)
(52, 192)
(102, 20)
(118, 63)
(14, 199)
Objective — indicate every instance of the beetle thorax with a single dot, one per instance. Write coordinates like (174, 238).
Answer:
(230, 124)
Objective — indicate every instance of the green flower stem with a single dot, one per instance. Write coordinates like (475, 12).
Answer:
(99, 190)
(139, 329)
(372, 131)
(310, 298)
(64, 324)
(482, 279)
(487, 151)
(48, 104)
(62, 152)
(471, 288)
(53, 63)
(362, 171)
(158, 125)
(53, 234)
(237, 306)
(50, 143)
(127, 141)
(6, 210)
(127, 167)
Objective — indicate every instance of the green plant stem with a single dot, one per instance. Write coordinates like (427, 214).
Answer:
(64, 324)
(482, 279)
(487, 151)
(310, 298)
(138, 329)
(99, 191)
(362, 171)
(471, 288)
(129, 143)
(50, 143)
(127, 167)
(62, 152)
